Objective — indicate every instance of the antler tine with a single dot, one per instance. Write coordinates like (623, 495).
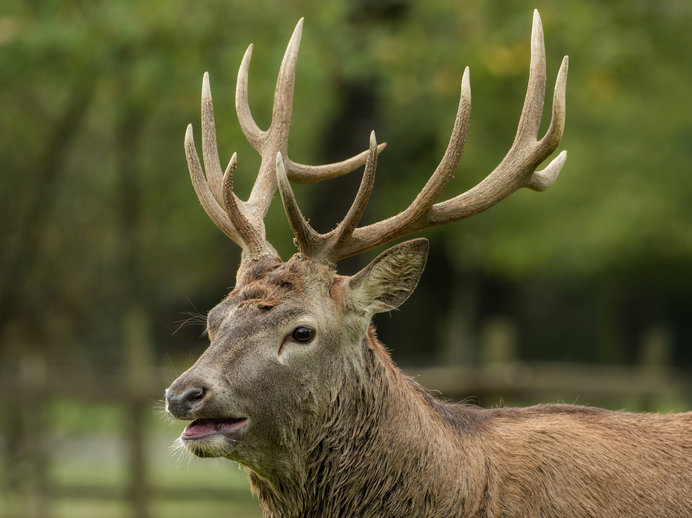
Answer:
(541, 180)
(517, 169)
(251, 130)
(275, 139)
(345, 229)
(305, 174)
(306, 238)
(325, 247)
(209, 203)
(243, 221)
(210, 153)
(368, 237)
(235, 219)
(445, 169)
(252, 235)
(530, 119)
(552, 136)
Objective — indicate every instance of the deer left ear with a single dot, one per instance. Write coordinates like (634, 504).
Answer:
(390, 278)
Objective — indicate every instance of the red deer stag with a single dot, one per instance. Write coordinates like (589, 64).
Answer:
(296, 387)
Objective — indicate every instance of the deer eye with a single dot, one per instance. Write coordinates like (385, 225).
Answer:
(303, 334)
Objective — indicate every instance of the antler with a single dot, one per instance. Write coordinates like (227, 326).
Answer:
(517, 169)
(243, 221)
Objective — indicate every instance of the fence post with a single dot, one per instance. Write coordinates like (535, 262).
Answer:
(655, 357)
(25, 455)
(138, 349)
(498, 354)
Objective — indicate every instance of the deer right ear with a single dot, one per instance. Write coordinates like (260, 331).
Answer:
(390, 278)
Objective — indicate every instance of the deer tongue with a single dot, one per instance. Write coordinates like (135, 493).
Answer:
(204, 427)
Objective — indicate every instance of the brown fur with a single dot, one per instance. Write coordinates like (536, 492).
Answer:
(398, 451)
(340, 431)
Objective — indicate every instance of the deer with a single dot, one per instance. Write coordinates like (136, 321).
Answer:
(296, 387)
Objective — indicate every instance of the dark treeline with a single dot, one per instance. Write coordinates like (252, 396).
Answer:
(103, 239)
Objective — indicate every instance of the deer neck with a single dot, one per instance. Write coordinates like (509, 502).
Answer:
(380, 443)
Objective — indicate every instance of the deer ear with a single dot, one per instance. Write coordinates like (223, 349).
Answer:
(390, 278)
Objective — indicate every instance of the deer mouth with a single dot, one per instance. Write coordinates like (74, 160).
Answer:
(201, 428)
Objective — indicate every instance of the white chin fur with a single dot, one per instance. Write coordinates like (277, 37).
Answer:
(212, 446)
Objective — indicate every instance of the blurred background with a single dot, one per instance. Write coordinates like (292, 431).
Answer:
(580, 294)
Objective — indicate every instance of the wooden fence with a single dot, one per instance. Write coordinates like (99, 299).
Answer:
(29, 491)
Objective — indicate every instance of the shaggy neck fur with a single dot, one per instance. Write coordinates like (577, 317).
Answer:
(384, 447)
(376, 444)
(381, 435)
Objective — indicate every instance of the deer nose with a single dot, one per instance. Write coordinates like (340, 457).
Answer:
(180, 405)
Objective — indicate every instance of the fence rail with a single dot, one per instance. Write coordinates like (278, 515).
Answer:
(33, 493)
(538, 381)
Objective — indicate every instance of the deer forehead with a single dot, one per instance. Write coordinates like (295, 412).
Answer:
(280, 292)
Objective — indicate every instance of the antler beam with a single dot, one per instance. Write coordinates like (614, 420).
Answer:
(516, 170)
(243, 221)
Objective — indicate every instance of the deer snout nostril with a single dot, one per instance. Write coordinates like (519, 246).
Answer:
(194, 394)
(181, 404)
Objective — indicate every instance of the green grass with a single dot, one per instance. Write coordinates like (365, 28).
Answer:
(88, 471)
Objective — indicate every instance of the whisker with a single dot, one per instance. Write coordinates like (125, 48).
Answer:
(159, 409)
(179, 452)
(192, 318)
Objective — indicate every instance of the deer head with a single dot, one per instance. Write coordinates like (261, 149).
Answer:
(293, 339)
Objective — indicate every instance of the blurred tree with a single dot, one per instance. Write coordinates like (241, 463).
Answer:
(97, 212)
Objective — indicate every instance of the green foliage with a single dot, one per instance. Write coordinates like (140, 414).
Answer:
(97, 207)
